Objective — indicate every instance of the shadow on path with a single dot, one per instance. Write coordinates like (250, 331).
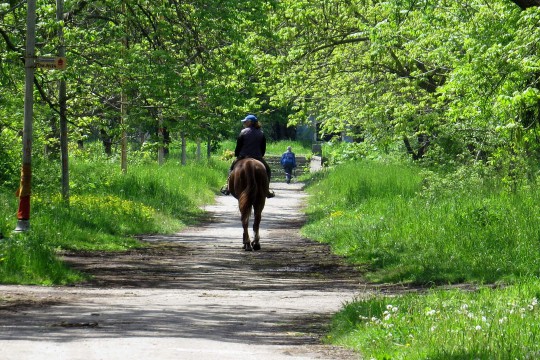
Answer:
(197, 284)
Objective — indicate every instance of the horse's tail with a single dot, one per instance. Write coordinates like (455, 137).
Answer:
(245, 200)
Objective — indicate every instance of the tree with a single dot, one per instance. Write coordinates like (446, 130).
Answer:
(427, 73)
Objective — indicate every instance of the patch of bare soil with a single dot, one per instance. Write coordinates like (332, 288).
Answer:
(195, 294)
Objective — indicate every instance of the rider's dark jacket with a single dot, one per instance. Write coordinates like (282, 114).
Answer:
(250, 143)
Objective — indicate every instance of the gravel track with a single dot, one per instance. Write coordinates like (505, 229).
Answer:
(192, 295)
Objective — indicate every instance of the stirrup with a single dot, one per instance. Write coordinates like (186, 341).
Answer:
(224, 190)
(271, 194)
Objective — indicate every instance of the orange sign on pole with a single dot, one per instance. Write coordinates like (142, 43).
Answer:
(51, 63)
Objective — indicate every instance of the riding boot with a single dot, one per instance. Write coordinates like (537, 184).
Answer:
(271, 192)
(225, 188)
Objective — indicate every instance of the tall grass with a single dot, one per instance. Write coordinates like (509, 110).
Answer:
(107, 210)
(404, 225)
(28, 259)
(385, 218)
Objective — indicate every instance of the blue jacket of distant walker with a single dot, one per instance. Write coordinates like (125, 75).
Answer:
(288, 159)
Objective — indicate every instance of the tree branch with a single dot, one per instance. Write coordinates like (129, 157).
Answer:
(525, 4)
(336, 43)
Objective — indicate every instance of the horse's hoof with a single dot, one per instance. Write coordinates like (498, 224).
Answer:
(256, 246)
(248, 247)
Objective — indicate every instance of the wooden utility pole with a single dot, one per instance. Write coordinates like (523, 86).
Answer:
(62, 103)
(25, 188)
(123, 100)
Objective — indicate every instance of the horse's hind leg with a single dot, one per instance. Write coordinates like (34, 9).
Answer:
(246, 240)
(256, 224)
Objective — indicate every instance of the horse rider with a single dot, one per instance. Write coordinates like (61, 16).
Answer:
(251, 143)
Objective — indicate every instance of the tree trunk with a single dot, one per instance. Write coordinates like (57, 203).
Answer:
(184, 155)
(107, 142)
(198, 149)
(423, 140)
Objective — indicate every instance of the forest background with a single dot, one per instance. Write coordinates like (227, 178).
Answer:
(449, 83)
(440, 100)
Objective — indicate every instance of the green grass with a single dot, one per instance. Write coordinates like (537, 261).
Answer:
(107, 210)
(444, 324)
(29, 259)
(404, 225)
(380, 217)
(275, 148)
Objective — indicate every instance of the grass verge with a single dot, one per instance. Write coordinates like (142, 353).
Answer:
(107, 210)
(403, 225)
(444, 324)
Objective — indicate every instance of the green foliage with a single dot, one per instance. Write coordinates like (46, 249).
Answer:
(10, 156)
(407, 226)
(458, 83)
(444, 324)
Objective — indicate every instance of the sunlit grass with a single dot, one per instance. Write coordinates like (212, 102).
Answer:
(380, 217)
(29, 259)
(275, 148)
(107, 211)
(445, 324)
(403, 225)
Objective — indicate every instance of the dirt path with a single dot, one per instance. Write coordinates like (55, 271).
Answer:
(194, 295)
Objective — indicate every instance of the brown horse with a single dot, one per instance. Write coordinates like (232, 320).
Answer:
(249, 183)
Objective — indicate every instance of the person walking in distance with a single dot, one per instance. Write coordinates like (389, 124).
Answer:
(288, 162)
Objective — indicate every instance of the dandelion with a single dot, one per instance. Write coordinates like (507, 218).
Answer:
(430, 312)
(478, 328)
(503, 320)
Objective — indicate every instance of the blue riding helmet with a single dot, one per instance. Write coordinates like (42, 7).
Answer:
(250, 118)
